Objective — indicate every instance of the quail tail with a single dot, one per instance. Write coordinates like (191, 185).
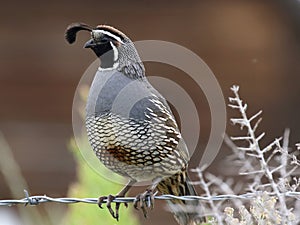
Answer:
(185, 212)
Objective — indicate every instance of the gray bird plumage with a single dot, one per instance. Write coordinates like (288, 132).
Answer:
(128, 114)
(130, 126)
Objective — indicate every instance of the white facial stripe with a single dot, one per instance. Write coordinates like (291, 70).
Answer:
(115, 66)
(109, 34)
(116, 53)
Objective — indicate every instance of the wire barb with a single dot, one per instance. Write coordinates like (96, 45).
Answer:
(30, 200)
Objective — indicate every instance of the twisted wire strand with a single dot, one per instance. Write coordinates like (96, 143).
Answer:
(38, 199)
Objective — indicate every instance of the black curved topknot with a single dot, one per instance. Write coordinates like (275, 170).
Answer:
(72, 30)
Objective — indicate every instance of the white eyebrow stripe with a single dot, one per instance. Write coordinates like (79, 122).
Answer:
(110, 34)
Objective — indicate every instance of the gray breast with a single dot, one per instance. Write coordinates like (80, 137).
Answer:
(105, 88)
(113, 92)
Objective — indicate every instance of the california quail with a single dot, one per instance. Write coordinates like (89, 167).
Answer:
(130, 125)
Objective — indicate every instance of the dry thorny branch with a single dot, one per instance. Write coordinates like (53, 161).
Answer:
(267, 172)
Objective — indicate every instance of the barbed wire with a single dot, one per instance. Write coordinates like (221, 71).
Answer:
(38, 199)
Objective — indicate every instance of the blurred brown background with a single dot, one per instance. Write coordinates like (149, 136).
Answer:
(254, 43)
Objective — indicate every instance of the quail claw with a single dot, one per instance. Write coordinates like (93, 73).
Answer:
(144, 201)
(101, 201)
(109, 199)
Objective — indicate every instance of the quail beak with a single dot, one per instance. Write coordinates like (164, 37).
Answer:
(89, 44)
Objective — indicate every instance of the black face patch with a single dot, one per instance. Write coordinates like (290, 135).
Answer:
(102, 48)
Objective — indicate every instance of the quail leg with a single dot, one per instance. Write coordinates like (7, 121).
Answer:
(110, 198)
(146, 199)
